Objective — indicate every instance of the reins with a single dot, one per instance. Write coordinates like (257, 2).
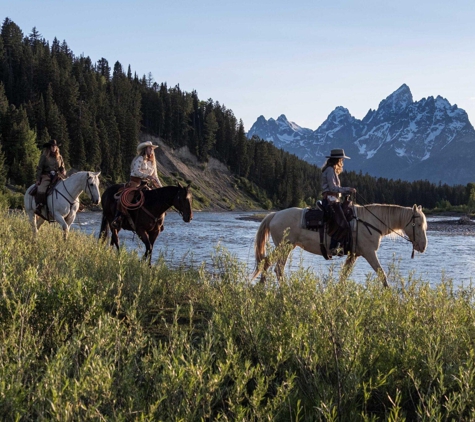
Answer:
(411, 221)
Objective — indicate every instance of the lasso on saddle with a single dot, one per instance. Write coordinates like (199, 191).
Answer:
(130, 198)
(335, 223)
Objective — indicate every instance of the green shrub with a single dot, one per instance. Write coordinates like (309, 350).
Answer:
(87, 333)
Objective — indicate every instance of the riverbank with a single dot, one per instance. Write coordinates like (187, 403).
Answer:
(460, 226)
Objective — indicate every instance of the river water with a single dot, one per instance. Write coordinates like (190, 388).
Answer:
(190, 244)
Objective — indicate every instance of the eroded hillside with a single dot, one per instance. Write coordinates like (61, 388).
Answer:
(214, 187)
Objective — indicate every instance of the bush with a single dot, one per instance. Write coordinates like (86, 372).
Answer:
(87, 333)
(12, 200)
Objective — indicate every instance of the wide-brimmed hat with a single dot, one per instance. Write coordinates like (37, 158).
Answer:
(337, 153)
(51, 143)
(146, 144)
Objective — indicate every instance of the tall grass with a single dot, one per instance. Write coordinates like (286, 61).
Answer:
(87, 333)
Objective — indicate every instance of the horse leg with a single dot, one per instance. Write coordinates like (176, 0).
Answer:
(349, 264)
(280, 265)
(148, 246)
(62, 222)
(373, 260)
(264, 270)
(70, 218)
(35, 223)
(152, 236)
(115, 238)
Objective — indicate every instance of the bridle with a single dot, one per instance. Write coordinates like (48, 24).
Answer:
(178, 199)
(86, 188)
(411, 221)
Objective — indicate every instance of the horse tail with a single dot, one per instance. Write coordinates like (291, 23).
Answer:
(260, 242)
(104, 228)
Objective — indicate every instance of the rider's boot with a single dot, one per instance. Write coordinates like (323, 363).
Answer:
(40, 201)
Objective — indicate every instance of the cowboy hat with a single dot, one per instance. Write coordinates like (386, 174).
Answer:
(337, 153)
(51, 143)
(146, 144)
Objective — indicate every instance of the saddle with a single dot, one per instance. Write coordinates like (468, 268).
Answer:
(53, 183)
(336, 223)
(34, 192)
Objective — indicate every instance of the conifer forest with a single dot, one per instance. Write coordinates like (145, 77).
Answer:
(96, 111)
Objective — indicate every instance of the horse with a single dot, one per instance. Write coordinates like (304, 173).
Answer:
(148, 219)
(372, 222)
(62, 202)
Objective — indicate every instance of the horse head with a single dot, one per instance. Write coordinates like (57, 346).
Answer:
(416, 229)
(183, 202)
(92, 187)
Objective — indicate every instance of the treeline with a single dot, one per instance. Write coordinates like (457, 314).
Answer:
(97, 113)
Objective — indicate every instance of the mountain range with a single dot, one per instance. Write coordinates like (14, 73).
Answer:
(403, 139)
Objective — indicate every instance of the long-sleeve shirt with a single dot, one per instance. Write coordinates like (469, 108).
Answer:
(49, 163)
(331, 182)
(143, 168)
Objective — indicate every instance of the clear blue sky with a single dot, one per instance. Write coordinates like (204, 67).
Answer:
(298, 58)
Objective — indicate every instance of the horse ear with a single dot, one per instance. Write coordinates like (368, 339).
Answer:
(97, 173)
(179, 185)
(414, 208)
(419, 207)
(188, 185)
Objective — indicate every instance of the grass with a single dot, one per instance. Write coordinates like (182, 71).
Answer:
(90, 334)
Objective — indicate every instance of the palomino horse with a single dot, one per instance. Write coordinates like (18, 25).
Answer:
(148, 219)
(371, 224)
(63, 202)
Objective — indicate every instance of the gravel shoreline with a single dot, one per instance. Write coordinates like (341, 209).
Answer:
(458, 227)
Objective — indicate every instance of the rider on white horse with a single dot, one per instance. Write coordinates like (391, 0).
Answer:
(332, 189)
(51, 164)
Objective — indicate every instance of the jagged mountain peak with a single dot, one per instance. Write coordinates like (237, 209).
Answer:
(397, 101)
(401, 139)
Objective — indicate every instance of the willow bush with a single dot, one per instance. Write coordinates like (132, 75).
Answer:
(87, 333)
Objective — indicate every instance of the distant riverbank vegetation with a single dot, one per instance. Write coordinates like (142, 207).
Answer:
(97, 112)
(87, 333)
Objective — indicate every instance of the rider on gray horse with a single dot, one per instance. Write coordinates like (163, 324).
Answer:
(51, 164)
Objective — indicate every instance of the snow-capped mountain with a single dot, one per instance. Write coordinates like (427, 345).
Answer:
(404, 139)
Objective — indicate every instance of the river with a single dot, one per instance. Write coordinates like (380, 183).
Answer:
(447, 255)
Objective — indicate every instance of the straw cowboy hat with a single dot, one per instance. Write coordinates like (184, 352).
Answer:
(337, 153)
(146, 144)
(51, 143)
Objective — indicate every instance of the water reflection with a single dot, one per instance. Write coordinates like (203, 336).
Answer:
(449, 256)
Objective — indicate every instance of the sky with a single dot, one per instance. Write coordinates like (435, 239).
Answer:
(301, 58)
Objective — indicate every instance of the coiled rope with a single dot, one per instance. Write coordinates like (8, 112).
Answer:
(127, 197)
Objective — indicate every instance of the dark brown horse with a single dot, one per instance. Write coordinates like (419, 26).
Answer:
(148, 220)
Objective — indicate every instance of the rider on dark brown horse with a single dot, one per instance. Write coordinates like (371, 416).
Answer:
(143, 168)
(332, 189)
